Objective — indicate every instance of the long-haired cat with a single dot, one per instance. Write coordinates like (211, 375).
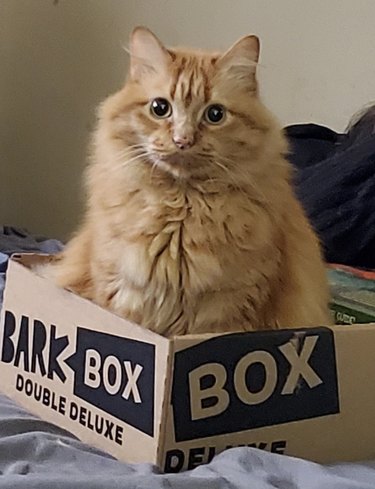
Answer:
(192, 225)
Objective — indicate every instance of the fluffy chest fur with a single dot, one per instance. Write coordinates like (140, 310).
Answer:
(180, 259)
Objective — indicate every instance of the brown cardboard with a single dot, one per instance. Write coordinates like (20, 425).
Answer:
(345, 435)
(34, 297)
(176, 403)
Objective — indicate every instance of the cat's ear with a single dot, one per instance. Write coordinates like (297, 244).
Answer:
(242, 57)
(147, 53)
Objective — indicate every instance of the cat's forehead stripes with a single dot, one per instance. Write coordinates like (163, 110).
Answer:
(191, 78)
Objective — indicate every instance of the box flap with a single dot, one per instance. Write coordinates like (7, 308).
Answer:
(75, 364)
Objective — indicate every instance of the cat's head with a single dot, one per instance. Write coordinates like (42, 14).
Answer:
(189, 113)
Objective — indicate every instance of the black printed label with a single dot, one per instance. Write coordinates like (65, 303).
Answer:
(116, 375)
(112, 373)
(244, 381)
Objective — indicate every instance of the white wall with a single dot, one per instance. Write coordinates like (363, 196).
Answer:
(59, 58)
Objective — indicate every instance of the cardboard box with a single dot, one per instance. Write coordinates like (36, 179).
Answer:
(176, 403)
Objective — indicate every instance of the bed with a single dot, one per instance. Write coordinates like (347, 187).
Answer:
(36, 454)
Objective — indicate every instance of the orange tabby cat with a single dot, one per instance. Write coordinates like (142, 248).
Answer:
(191, 223)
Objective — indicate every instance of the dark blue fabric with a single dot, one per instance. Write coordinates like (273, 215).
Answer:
(335, 181)
(311, 143)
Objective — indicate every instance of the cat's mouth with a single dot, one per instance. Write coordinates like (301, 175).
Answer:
(176, 159)
(177, 163)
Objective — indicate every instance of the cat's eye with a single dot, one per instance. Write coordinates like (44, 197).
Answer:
(214, 114)
(161, 108)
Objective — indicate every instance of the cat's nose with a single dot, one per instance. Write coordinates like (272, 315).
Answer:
(184, 141)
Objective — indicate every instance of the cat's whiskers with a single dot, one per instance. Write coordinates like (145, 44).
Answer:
(227, 172)
(128, 159)
(233, 181)
(130, 151)
(134, 159)
(132, 147)
(154, 165)
(260, 197)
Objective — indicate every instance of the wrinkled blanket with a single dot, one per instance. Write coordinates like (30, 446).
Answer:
(37, 455)
(15, 240)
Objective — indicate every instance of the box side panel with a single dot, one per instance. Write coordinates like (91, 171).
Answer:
(76, 365)
(163, 425)
(303, 395)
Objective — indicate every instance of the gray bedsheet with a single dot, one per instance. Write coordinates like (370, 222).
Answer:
(17, 240)
(35, 454)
